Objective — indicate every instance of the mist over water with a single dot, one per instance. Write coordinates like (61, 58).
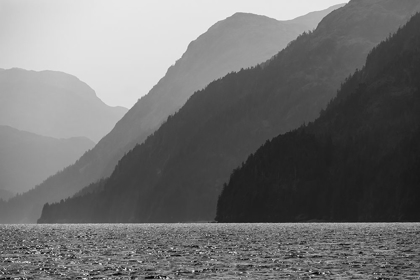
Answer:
(216, 251)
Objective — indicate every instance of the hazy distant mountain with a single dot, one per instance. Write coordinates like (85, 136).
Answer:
(6, 194)
(311, 20)
(177, 174)
(54, 104)
(240, 41)
(359, 161)
(27, 159)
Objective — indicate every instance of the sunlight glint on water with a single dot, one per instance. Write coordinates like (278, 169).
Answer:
(203, 251)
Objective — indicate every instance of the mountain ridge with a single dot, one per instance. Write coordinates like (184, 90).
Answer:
(193, 71)
(45, 102)
(176, 175)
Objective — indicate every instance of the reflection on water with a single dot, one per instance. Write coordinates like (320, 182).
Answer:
(217, 251)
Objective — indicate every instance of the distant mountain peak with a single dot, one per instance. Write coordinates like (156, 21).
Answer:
(53, 78)
(243, 14)
(246, 16)
(53, 103)
(239, 19)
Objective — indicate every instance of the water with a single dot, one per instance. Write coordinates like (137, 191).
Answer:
(210, 251)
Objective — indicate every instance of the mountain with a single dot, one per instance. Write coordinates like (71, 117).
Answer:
(54, 104)
(239, 41)
(27, 159)
(6, 194)
(359, 161)
(311, 20)
(177, 174)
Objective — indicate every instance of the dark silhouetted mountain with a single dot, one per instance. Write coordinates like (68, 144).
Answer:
(240, 41)
(359, 161)
(54, 104)
(177, 173)
(27, 159)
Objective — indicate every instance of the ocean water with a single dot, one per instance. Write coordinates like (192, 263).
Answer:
(210, 251)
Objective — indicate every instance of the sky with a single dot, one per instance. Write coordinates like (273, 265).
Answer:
(119, 48)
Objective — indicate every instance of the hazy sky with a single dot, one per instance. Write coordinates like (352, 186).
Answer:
(120, 48)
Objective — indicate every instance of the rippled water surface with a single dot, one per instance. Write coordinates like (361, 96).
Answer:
(210, 251)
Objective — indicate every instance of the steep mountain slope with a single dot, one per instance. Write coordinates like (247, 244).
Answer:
(241, 40)
(177, 174)
(54, 104)
(27, 159)
(359, 161)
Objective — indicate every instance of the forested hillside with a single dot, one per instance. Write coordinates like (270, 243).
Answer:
(359, 161)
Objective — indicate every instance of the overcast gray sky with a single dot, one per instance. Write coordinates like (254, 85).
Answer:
(120, 48)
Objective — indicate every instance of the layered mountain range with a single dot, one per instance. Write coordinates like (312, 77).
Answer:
(177, 174)
(27, 159)
(359, 161)
(54, 104)
(240, 41)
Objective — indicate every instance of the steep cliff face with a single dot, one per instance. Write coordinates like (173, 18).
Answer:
(359, 161)
(177, 173)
